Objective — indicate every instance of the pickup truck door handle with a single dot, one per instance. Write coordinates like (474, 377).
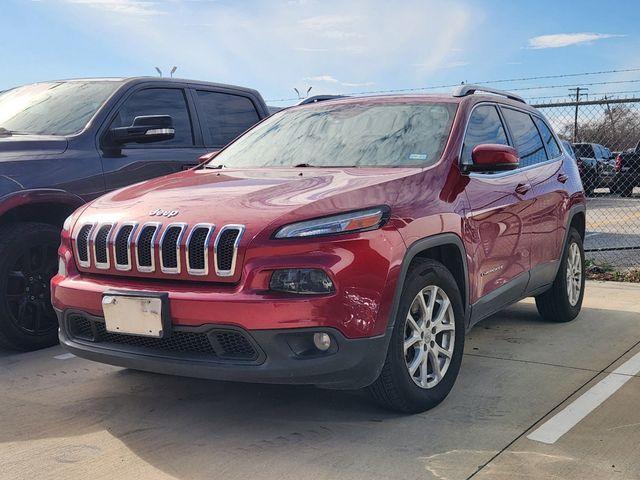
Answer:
(562, 178)
(523, 188)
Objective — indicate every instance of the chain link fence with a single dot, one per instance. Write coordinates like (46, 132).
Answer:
(605, 136)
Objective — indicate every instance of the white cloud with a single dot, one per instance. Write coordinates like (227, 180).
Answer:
(322, 78)
(127, 7)
(559, 40)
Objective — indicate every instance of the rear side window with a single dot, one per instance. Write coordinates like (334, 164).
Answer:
(225, 116)
(484, 126)
(159, 101)
(553, 150)
(584, 150)
(526, 137)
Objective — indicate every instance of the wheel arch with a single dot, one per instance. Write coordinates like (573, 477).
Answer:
(446, 248)
(50, 206)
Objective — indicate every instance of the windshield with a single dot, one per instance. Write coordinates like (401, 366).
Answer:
(54, 108)
(376, 135)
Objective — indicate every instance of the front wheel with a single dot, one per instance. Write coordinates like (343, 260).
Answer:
(563, 301)
(425, 350)
(28, 260)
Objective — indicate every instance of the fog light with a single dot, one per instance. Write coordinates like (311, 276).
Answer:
(301, 280)
(322, 341)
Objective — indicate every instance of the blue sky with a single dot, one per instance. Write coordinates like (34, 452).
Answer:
(333, 46)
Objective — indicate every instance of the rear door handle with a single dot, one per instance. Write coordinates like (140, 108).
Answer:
(523, 188)
(562, 178)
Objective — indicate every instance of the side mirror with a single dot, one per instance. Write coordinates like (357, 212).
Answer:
(491, 157)
(145, 129)
(208, 156)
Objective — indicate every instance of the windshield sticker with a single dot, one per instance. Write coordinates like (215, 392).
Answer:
(417, 156)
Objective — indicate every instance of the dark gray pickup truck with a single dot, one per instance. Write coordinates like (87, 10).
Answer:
(63, 143)
(627, 167)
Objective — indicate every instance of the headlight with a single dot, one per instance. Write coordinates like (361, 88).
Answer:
(301, 280)
(358, 221)
(66, 226)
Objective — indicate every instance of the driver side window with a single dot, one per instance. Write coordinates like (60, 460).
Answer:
(159, 101)
(485, 126)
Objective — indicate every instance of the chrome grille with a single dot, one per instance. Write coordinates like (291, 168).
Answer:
(170, 248)
(198, 249)
(145, 247)
(226, 249)
(100, 246)
(109, 245)
(82, 245)
(122, 246)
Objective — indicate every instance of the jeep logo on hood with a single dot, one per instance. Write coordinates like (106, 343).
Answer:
(163, 213)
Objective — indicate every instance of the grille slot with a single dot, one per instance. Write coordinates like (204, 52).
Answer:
(82, 245)
(216, 343)
(226, 249)
(100, 247)
(121, 247)
(145, 247)
(198, 249)
(170, 248)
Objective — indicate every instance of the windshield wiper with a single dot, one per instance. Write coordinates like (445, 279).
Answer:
(214, 167)
(308, 165)
(5, 132)
(303, 165)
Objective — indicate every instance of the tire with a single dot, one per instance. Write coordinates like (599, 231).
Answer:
(396, 388)
(28, 260)
(556, 305)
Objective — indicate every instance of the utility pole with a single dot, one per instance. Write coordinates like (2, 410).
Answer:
(575, 119)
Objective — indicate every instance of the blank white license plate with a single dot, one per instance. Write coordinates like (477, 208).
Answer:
(133, 315)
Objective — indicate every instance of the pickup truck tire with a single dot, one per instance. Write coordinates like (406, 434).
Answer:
(436, 326)
(563, 301)
(28, 260)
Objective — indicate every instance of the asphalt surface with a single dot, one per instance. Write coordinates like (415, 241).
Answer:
(613, 224)
(66, 418)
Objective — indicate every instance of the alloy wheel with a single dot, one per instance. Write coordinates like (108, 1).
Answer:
(574, 274)
(27, 290)
(429, 337)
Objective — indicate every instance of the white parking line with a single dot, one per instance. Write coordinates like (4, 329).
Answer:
(64, 356)
(562, 422)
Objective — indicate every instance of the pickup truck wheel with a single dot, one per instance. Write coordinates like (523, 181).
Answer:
(563, 301)
(28, 260)
(425, 350)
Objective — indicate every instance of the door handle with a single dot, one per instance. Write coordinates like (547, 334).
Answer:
(562, 178)
(523, 188)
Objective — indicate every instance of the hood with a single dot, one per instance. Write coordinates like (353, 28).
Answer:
(255, 197)
(14, 146)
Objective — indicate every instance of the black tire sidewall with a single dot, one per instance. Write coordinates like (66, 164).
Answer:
(16, 238)
(418, 398)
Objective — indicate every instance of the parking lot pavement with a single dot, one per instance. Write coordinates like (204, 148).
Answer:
(67, 418)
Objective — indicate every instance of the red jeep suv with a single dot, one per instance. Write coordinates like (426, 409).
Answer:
(347, 243)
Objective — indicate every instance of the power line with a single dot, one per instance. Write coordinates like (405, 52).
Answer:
(619, 92)
(488, 82)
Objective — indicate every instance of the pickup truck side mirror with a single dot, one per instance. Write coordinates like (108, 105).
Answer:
(490, 157)
(145, 129)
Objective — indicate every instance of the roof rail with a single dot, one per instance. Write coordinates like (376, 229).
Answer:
(320, 98)
(464, 90)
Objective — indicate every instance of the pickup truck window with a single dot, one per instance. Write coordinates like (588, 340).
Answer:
(377, 135)
(584, 150)
(159, 101)
(224, 116)
(53, 108)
